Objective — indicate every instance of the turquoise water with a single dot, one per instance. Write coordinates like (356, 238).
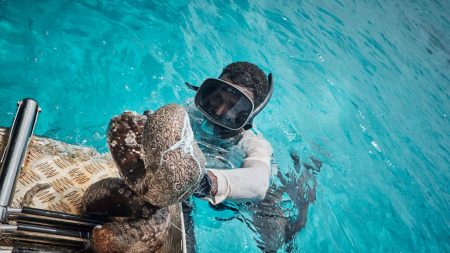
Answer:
(362, 85)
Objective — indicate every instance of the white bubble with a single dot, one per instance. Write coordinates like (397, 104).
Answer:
(375, 145)
(320, 58)
(364, 129)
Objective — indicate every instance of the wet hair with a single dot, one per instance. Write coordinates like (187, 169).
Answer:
(250, 76)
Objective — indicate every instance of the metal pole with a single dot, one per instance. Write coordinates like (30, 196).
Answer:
(15, 151)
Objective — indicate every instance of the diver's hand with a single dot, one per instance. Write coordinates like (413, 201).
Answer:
(207, 187)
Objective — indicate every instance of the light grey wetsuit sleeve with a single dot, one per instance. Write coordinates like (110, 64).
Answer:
(250, 182)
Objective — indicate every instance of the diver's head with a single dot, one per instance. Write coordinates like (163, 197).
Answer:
(249, 77)
(230, 103)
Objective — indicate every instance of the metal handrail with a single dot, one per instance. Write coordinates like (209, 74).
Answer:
(15, 151)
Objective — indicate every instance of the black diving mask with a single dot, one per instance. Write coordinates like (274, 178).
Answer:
(226, 104)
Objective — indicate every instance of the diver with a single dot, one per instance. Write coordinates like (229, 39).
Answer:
(238, 159)
(222, 121)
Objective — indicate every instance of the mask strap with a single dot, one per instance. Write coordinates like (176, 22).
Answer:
(263, 104)
(266, 100)
(191, 86)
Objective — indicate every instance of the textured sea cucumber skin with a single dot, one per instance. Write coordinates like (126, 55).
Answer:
(160, 159)
(125, 143)
(132, 235)
(161, 165)
(172, 158)
(111, 197)
(135, 226)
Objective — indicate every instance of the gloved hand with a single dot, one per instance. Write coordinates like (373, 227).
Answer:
(207, 187)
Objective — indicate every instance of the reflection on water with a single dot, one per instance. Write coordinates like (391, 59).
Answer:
(283, 212)
(278, 218)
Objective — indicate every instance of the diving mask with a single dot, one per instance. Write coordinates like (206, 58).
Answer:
(226, 104)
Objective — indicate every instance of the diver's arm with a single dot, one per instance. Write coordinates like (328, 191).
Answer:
(249, 183)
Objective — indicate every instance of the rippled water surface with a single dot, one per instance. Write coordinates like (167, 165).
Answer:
(362, 85)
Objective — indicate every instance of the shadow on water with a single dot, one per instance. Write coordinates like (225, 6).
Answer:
(283, 212)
